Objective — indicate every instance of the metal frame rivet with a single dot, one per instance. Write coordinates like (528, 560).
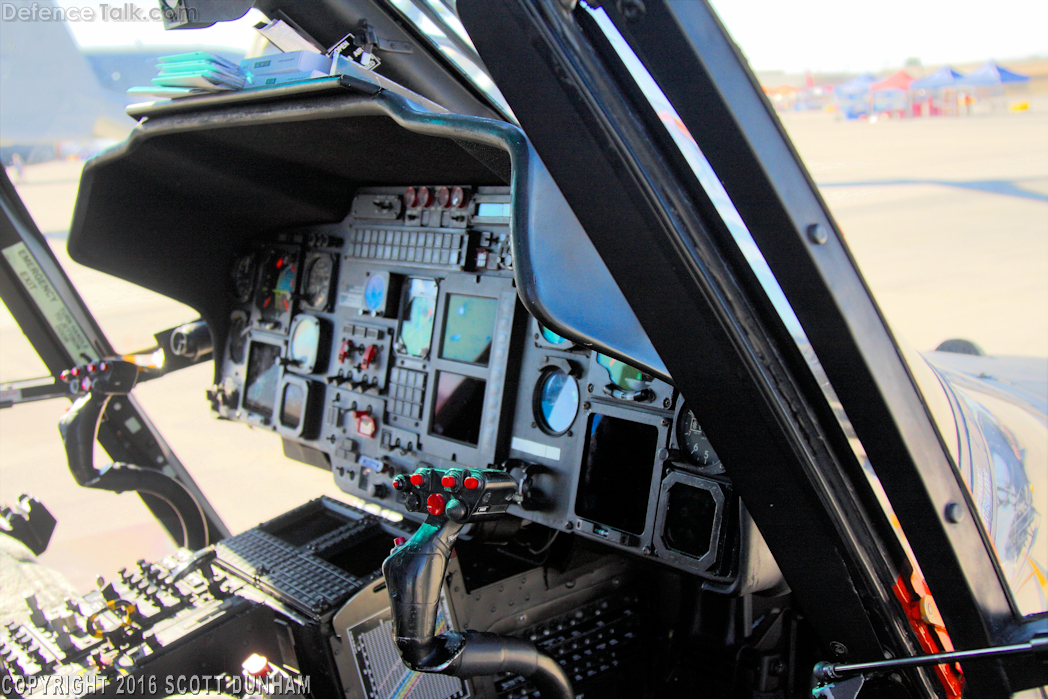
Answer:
(817, 233)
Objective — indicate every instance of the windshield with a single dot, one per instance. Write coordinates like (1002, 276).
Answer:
(931, 149)
(65, 69)
(915, 210)
(436, 20)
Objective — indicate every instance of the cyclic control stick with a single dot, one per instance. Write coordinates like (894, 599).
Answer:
(415, 570)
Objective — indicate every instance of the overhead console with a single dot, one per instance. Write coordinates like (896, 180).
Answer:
(372, 274)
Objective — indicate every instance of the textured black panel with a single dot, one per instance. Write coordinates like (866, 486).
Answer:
(169, 209)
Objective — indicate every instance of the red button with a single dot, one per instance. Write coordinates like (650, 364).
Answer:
(425, 197)
(91, 368)
(399, 541)
(399, 484)
(471, 483)
(443, 197)
(458, 198)
(417, 479)
(435, 504)
(366, 426)
(75, 371)
(449, 482)
(256, 665)
(104, 366)
(410, 198)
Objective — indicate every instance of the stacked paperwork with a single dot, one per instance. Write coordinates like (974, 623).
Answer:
(199, 73)
(280, 68)
(189, 74)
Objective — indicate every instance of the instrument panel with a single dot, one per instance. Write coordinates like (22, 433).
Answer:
(395, 339)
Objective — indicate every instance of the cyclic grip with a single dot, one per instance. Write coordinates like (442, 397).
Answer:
(415, 570)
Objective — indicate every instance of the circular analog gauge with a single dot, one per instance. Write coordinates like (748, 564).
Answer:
(244, 278)
(237, 337)
(556, 401)
(693, 441)
(278, 286)
(305, 341)
(375, 293)
(318, 282)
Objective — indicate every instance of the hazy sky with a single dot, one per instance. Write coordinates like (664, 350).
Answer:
(861, 35)
(114, 30)
(790, 35)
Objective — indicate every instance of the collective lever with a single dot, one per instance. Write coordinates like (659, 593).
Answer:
(415, 570)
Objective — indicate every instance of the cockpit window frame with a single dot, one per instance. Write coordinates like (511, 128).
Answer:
(704, 75)
(721, 104)
(17, 228)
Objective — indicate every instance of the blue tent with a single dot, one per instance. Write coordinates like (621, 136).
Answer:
(856, 86)
(992, 74)
(853, 97)
(944, 77)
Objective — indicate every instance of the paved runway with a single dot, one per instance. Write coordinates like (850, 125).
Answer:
(948, 219)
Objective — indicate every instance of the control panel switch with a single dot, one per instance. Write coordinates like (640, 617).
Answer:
(366, 424)
(370, 354)
(456, 511)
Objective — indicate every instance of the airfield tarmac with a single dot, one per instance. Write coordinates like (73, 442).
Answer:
(947, 217)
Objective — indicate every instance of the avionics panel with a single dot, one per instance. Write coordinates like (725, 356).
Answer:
(382, 341)
(394, 340)
(474, 327)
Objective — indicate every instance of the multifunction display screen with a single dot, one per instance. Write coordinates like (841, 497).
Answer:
(458, 408)
(416, 325)
(263, 375)
(616, 472)
(468, 324)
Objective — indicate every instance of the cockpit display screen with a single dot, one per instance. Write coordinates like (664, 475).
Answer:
(292, 405)
(416, 325)
(468, 324)
(263, 375)
(459, 407)
(615, 468)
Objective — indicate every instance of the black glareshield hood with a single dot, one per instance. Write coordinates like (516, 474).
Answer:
(170, 208)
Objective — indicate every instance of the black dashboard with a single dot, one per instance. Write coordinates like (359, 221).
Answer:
(395, 340)
(373, 276)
